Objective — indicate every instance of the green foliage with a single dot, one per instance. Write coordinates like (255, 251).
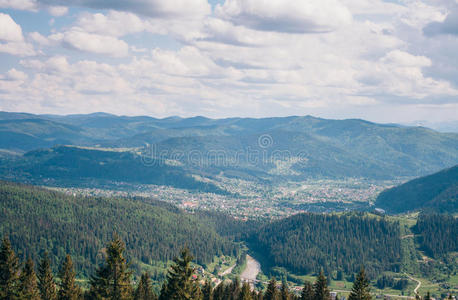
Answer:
(245, 293)
(37, 220)
(361, 287)
(307, 292)
(438, 234)
(207, 291)
(28, 286)
(438, 191)
(305, 243)
(320, 288)
(180, 285)
(46, 283)
(9, 271)
(271, 291)
(113, 279)
(69, 290)
(144, 289)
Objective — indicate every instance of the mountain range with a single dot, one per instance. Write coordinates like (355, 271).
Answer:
(172, 151)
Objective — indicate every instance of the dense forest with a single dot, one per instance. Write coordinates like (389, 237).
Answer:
(438, 234)
(113, 280)
(36, 220)
(305, 243)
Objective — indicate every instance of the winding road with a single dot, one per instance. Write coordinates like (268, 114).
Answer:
(418, 285)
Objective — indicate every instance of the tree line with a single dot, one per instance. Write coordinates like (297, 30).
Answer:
(305, 243)
(112, 280)
(437, 234)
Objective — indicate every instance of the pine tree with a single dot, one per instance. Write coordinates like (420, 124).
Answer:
(428, 296)
(207, 290)
(271, 292)
(361, 288)
(144, 290)
(284, 292)
(320, 288)
(245, 293)
(68, 288)
(112, 280)
(9, 271)
(46, 282)
(307, 292)
(28, 286)
(180, 284)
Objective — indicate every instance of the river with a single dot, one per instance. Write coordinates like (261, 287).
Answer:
(253, 267)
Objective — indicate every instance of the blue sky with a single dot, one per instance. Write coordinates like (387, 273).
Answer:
(385, 61)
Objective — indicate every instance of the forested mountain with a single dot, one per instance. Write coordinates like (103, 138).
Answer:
(68, 165)
(246, 147)
(438, 234)
(38, 220)
(112, 280)
(305, 243)
(438, 191)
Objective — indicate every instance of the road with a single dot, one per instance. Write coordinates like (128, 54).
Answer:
(251, 270)
(418, 285)
(227, 271)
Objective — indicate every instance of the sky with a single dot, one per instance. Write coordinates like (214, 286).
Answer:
(384, 61)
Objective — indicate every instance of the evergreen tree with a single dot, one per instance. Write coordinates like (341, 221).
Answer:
(284, 292)
(28, 286)
(428, 296)
(112, 280)
(361, 288)
(144, 290)
(271, 292)
(218, 293)
(69, 290)
(245, 293)
(9, 271)
(46, 282)
(320, 288)
(207, 290)
(180, 284)
(307, 292)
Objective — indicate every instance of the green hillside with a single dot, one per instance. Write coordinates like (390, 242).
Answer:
(438, 191)
(37, 220)
(313, 147)
(66, 165)
(305, 243)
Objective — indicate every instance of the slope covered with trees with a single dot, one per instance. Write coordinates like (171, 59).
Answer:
(304, 243)
(438, 234)
(113, 281)
(438, 191)
(37, 220)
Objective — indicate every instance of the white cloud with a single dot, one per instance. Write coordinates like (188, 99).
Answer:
(11, 38)
(19, 4)
(286, 16)
(114, 23)
(58, 11)
(151, 8)
(38, 38)
(9, 30)
(14, 74)
(80, 40)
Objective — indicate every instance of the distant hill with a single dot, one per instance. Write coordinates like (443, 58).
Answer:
(438, 191)
(298, 147)
(38, 220)
(73, 166)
